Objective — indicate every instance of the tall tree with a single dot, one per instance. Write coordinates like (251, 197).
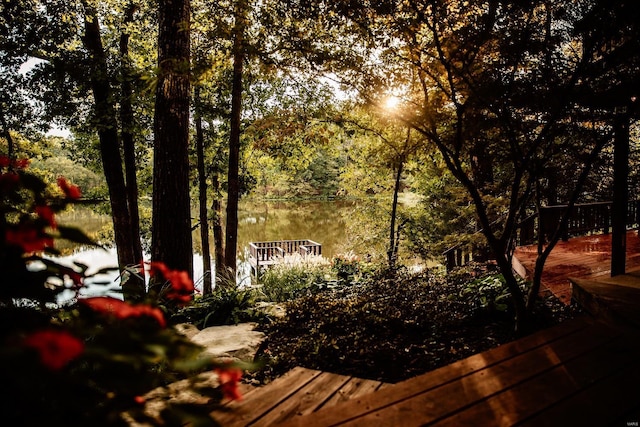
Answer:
(387, 145)
(127, 123)
(73, 45)
(171, 240)
(129, 253)
(207, 272)
(233, 182)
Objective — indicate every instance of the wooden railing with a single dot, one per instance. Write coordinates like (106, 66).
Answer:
(263, 251)
(457, 256)
(585, 218)
(311, 248)
(262, 254)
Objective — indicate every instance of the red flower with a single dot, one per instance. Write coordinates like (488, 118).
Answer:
(122, 310)
(29, 238)
(181, 289)
(46, 213)
(69, 190)
(156, 267)
(18, 164)
(229, 380)
(56, 348)
(21, 163)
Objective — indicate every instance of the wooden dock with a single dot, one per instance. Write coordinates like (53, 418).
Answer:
(264, 254)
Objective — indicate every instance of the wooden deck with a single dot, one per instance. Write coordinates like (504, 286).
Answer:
(587, 258)
(580, 373)
(299, 392)
(615, 300)
(584, 372)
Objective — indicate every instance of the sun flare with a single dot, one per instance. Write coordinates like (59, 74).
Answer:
(391, 102)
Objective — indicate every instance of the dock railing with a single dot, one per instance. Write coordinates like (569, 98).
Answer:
(264, 254)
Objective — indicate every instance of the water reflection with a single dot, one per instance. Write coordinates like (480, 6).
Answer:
(337, 225)
(324, 222)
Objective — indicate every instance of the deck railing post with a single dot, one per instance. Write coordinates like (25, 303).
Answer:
(458, 257)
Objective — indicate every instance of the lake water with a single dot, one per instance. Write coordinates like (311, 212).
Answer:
(339, 226)
(326, 222)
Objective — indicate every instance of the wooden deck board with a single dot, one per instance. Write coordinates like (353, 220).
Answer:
(263, 400)
(606, 393)
(615, 300)
(534, 396)
(353, 389)
(299, 392)
(560, 373)
(586, 257)
(307, 399)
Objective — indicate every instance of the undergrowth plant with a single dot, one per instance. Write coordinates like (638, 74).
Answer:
(223, 306)
(395, 324)
(285, 281)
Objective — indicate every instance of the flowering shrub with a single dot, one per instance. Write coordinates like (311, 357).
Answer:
(88, 361)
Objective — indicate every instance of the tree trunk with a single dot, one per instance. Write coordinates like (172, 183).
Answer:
(545, 246)
(218, 238)
(233, 182)
(392, 253)
(107, 126)
(128, 148)
(202, 199)
(171, 240)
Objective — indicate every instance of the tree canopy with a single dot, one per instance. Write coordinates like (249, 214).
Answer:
(495, 99)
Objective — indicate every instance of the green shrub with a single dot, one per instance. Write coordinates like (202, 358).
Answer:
(390, 326)
(489, 293)
(224, 306)
(393, 325)
(283, 282)
(483, 289)
(346, 267)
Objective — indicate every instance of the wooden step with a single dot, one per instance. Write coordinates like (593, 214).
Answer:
(299, 392)
(613, 299)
